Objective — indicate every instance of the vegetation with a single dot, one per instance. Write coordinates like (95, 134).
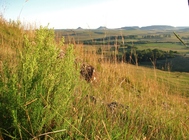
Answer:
(112, 43)
(43, 97)
(35, 86)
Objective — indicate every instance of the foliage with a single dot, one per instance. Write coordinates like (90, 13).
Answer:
(37, 91)
(146, 55)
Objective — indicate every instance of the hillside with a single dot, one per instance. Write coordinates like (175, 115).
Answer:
(43, 96)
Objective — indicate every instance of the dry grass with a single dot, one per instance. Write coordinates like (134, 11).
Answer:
(144, 91)
(148, 106)
(128, 83)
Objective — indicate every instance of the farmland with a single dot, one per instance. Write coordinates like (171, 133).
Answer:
(118, 42)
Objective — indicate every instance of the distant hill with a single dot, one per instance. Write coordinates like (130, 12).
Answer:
(164, 27)
(153, 27)
(79, 28)
(102, 28)
(184, 28)
(131, 28)
(158, 27)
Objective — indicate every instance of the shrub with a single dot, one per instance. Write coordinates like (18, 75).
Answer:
(35, 92)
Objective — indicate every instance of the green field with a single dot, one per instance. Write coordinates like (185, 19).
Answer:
(93, 40)
(165, 46)
(86, 34)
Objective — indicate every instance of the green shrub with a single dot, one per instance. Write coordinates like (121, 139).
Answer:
(35, 92)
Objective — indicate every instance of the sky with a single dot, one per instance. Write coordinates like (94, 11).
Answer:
(91, 14)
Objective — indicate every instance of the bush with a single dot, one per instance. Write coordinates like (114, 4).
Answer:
(35, 92)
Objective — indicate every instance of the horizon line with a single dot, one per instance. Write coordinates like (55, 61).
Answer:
(105, 27)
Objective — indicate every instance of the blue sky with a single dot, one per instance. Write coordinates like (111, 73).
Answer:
(94, 13)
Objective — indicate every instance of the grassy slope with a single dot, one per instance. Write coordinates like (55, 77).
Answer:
(154, 102)
(156, 93)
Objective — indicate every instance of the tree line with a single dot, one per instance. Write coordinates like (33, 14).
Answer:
(132, 55)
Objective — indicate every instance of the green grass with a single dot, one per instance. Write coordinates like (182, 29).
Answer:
(42, 97)
(164, 46)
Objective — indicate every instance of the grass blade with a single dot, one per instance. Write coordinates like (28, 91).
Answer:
(180, 39)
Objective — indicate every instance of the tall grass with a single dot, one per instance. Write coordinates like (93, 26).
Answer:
(43, 97)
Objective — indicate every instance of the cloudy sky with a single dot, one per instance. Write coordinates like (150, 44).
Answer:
(91, 14)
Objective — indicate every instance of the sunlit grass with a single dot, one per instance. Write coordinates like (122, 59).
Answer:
(163, 46)
(42, 97)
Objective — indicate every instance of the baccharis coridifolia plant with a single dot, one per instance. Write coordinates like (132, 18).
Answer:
(44, 97)
(35, 92)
